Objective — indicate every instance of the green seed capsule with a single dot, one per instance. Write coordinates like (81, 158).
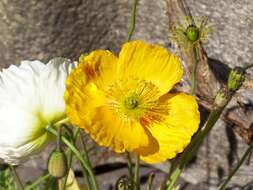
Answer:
(192, 33)
(57, 164)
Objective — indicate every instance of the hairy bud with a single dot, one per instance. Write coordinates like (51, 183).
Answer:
(236, 78)
(192, 33)
(57, 164)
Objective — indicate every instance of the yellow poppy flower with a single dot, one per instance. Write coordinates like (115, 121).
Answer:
(123, 102)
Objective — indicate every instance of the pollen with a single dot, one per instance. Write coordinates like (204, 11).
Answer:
(136, 100)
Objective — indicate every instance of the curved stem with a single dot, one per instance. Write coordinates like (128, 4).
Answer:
(130, 33)
(130, 169)
(84, 165)
(133, 18)
(86, 157)
(70, 157)
(196, 142)
(19, 184)
(173, 178)
(58, 141)
(37, 182)
(137, 173)
(173, 164)
(150, 180)
(245, 155)
(194, 72)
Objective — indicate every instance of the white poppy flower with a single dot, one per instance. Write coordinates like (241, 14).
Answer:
(31, 98)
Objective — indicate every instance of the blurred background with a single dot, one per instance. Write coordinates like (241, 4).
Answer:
(34, 29)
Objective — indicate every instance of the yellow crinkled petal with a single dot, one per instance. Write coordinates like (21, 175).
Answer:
(84, 86)
(100, 66)
(109, 130)
(175, 132)
(81, 97)
(152, 63)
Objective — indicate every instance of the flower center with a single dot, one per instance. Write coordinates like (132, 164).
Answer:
(136, 100)
(131, 101)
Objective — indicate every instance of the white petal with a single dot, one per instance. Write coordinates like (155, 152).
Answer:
(52, 84)
(31, 97)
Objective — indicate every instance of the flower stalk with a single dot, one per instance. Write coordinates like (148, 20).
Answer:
(133, 18)
(196, 142)
(58, 141)
(194, 72)
(70, 159)
(130, 169)
(221, 100)
(137, 173)
(79, 156)
(134, 178)
(245, 155)
(86, 157)
(19, 184)
(38, 181)
(236, 78)
(150, 180)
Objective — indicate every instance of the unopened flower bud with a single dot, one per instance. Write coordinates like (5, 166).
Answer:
(221, 98)
(57, 164)
(192, 33)
(123, 183)
(236, 78)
